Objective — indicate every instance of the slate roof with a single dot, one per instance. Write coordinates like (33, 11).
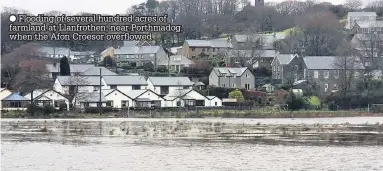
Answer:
(73, 67)
(224, 70)
(176, 60)
(55, 50)
(215, 43)
(248, 54)
(177, 93)
(211, 97)
(93, 71)
(125, 80)
(325, 62)
(285, 59)
(36, 93)
(170, 81)
(79, 80)
(372, 14)
(135, 93)
(90, 96)
(370, 24)
(137, 50)
(130, 43)
(15, 97)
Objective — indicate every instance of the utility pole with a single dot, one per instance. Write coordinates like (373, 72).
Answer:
(100, 100)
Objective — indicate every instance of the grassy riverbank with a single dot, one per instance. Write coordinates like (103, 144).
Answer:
(204, 114)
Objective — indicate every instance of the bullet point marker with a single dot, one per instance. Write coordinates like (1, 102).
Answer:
(12, 18)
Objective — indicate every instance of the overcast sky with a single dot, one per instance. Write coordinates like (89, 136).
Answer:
(92, 6)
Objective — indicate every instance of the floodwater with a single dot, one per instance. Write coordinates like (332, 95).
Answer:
(191, 144)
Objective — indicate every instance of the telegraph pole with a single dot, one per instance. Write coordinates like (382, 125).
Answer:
(100, 99)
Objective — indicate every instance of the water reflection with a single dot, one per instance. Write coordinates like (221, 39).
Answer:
(192, 144)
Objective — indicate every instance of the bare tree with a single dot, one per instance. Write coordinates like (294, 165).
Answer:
(11, 63)
(32, 76)
(76, 81)
(354, 4)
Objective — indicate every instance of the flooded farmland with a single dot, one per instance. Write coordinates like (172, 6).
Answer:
(193, 144)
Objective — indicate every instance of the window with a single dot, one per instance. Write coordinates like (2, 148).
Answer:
(124, 103)
(193, 49)
(247, 86)
(325, 87)
(247, 75)
(216, 103)
(109, 103)
(203, 49)
(336, 74)
(233, 85)
(236, 60)
(178, 103)
(326, 74)
(223, 85)
(113, 86)
(316, 74)
(136, 87)
(15, 104)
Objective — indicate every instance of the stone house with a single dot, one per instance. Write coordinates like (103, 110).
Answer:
(327, 72)
(365, 27)
(353, 17)
(253, 58)
(193, 48)
(139, 55)
(232, 78)
(288, 68)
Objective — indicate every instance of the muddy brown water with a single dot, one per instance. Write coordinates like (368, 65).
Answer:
(192, 144)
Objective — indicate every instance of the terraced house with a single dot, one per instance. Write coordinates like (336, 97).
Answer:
(139, 55)
(193, 48)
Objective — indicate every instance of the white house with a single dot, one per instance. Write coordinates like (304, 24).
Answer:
(125, 83)
(165, 85)
(89, 99)
(145, 98)
(48, 97)
(14, 101)
(117, 99)
(185, 98)
(213, 101)
(4, 93)
(68, 84)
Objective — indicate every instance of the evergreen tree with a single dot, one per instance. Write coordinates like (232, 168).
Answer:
(64, 67)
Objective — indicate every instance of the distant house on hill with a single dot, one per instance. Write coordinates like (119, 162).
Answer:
(232, 78)
(353, 17)
(140, 55)
(193, 48)
(176, 62)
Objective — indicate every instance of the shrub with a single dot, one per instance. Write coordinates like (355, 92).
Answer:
(332, 106)
(33, 109)
(97, 110)
(62, 107)
(127, 67)
(48, 110)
